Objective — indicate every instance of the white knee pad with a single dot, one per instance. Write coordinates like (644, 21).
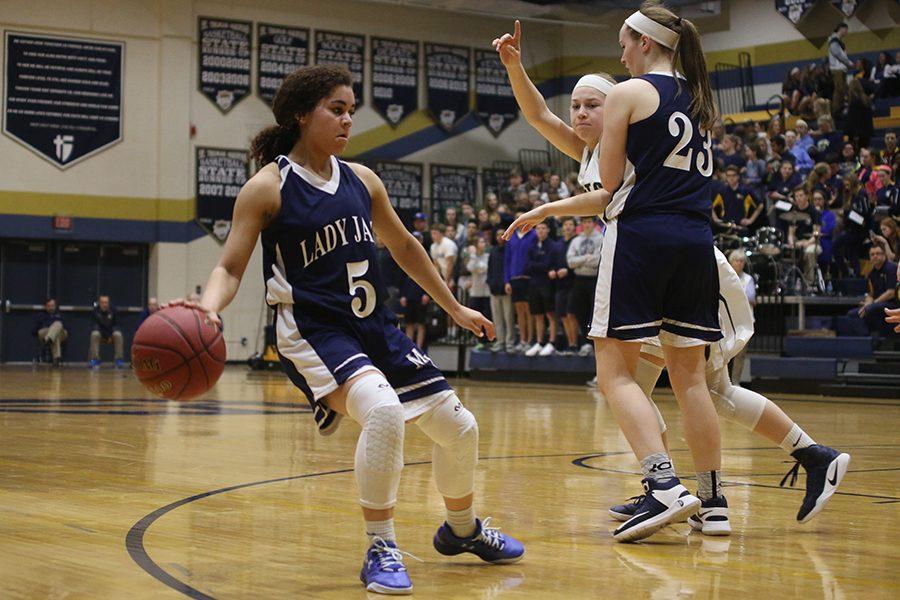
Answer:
(454, 431)
(734, 403)
(373, 403)
(646, 375)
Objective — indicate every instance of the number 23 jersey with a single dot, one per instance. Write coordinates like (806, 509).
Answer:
(669, 159)
(319, 252)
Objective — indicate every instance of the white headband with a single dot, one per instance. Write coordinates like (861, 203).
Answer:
(653, 30)
(595, 81)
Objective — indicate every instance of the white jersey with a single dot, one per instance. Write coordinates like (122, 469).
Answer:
(735, 319)
(589, 173)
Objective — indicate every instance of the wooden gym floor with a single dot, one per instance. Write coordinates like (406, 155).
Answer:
(107, 493)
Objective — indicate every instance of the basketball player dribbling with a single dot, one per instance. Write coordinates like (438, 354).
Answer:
(825, 467)
(318, 217)
(658, 274)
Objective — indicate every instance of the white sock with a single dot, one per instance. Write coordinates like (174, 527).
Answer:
(796, 439)
(462, 522)
(383, 529)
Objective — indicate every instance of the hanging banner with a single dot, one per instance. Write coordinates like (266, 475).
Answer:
(403, 182)
(224, 60)
(493, 181)
(62, 97)
(794, 10)
(447, 80)
(221, 172)
(345, 50)
(451, 186)
(495, 103)
(395, 78)
(282, 50)
(848, 7)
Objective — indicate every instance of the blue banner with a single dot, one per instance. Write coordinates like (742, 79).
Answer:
(495, 103)
(395, 78)
(345, 50)
(224, 75)
(282, 50)
(447, 71)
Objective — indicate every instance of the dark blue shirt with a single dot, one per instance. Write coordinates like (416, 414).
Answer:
(883, 279)
(43, 320)
(106, 322)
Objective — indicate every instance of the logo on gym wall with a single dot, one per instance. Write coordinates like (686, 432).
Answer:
(62, 96)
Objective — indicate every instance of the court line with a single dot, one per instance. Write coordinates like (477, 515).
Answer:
(134, 539)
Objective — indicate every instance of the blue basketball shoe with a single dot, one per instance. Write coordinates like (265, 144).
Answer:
(623, 512)
(486, 543)
(825, 468)
(383, 571)
(666, 501)
(712, 519)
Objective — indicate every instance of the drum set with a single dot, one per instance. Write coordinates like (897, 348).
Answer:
(771, 261)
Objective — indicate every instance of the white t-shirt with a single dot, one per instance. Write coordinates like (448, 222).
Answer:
(749, 287)
(440, 252)
(735, 319)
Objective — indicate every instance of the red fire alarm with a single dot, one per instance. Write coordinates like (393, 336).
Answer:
(62, 223)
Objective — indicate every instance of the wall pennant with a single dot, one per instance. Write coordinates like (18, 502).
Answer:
(395, 78)
(224, 74)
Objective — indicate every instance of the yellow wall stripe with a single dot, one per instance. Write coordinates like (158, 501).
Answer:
(96, 207)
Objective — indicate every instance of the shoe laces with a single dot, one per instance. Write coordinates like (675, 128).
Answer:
(794, 473)
(491, 535)
(388, 557)
(636, 499)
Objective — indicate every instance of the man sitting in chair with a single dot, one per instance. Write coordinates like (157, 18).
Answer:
(106, 330)
(49, 329)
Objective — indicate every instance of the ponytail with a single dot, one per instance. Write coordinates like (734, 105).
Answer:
(693, 64)
(272, 142)
(688, 56)
(298, 95)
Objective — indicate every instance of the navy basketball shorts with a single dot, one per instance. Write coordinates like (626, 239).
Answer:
(561, 300)
(540, 299)
(319, 356)
(519, 287)
(658, 277)
(414, 311)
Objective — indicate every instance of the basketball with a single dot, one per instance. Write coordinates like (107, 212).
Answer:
(176, 354)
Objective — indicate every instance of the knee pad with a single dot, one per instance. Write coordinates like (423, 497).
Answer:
(646, 375)
(454, 430)
(373, 403)
(734, 403)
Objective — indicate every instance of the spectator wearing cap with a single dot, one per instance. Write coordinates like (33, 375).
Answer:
(420, 225)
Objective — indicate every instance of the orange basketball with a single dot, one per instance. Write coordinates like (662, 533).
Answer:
(176, 354)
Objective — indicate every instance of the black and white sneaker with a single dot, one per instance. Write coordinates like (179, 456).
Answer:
(712, 519)
(825, 469)
(665, 502)
(623, 512)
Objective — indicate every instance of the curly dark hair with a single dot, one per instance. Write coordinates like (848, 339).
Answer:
(298, 95)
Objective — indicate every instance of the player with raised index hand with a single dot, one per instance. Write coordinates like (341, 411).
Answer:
(657, 271)
(318, 217)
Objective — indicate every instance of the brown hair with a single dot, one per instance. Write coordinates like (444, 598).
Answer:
(298, 95)
(856, 92)
(688, 53)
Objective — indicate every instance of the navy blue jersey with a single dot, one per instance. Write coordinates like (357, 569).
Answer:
(669, 158)
(319, 253)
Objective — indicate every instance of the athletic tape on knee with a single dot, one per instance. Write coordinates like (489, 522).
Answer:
(454, 431)
(373, 403)
(734, 403)
(646, 375)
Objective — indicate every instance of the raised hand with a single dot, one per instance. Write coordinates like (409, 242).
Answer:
(509, 46)
(526, 222)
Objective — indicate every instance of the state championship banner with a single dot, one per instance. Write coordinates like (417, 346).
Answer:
(220, 174)
(451, 186)
(447, 71)
(395, 78)
(344, 50)
(403, 182)
(224, 75)
(62, 96)
(495, 103)
(282, 50)
(794, 10)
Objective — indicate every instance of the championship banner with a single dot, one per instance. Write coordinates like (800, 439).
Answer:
(492, 181)
(495, 103)
(282, 50)
(447, 81)
(62, 97)
(403, 182)
(221, 172)
(794, 10)
(451, 186)
(848, 7)
(224, 60)
(344, 50)
(395, 78)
